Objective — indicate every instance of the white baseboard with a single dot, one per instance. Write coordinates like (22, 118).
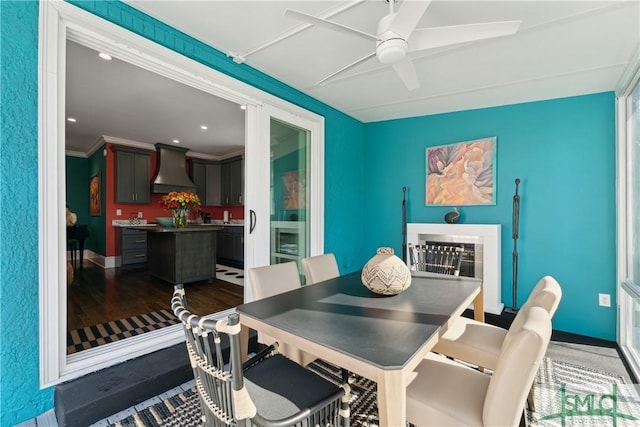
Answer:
(101, 260)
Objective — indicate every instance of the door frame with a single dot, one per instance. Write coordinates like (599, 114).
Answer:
(58, 22)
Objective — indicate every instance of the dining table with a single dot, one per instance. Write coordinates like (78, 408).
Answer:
(382, 338)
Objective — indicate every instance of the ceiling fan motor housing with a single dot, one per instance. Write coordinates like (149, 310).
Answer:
(391, 51)
(392, 47)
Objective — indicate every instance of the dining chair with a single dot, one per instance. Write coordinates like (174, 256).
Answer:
(446, 393)
(272, 280)
(268, 390)
(479, 343)
(319, 268)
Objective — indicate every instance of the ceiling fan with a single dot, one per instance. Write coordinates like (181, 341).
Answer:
(397, 36)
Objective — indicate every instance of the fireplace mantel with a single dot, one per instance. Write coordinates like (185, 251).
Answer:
(490, 237)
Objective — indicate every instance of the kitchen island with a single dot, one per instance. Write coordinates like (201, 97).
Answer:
(181, 255)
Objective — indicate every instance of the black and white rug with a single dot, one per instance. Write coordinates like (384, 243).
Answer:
(558, 385)
(572, 395)
(230, 274)
(104, 333)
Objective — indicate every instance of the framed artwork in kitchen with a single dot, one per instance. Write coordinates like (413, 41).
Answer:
(95, 195)
(462, 174)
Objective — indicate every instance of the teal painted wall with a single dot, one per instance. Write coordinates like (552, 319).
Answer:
(20, 396)
(564, 153)
(97, 241)
(77, 180)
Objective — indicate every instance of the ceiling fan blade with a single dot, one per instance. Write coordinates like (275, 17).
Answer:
(407, 73)
(327, 24)
(348, 67)
(407, 17)
(429, 38)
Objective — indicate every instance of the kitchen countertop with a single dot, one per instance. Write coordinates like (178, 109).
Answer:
(146, 225)
(233, 223)
(188, 229)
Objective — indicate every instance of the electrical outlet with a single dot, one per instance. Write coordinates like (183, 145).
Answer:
(139, 214)
(118, 212)
(604, 300)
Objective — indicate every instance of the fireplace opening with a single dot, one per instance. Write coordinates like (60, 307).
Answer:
(471, 264)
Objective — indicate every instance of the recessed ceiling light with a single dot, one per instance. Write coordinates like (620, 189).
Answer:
(71, 119)
(243, 107)
(176, 141)
(204, 127)
(105, 56)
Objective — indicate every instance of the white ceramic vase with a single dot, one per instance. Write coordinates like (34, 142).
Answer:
(385, 273)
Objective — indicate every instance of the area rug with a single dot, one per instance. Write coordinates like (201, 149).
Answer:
(183, 410)
(230, 274)
(570, 395)
(93, 336)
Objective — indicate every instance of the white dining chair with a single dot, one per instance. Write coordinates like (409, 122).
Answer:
(319, 268)
(272, 280)
(447, 393)
(479, 343)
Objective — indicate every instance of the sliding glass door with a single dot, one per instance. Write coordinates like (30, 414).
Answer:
(629, 226)
(288, 196)
(285, 198)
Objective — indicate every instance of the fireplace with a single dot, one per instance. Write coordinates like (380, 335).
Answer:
(482, 253)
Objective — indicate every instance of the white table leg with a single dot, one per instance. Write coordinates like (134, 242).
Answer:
(392, 398)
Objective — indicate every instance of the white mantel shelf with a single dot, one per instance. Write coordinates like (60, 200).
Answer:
(490, 235)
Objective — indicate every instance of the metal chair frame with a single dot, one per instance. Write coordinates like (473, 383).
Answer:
(224, 398)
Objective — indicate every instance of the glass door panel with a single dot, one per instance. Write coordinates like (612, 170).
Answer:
(289, 195)
(629, 295)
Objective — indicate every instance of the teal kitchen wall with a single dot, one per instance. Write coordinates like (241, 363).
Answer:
(77, 183)
(20, 394)
(97, 240)
(563, 151)
(79, 171)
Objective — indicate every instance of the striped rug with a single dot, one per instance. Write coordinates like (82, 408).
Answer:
(93, 336)
(183, 410)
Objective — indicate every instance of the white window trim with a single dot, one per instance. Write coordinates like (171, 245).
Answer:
(625, 290)
(60, 21)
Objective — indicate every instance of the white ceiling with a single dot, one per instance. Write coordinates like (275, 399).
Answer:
(563, 48)
(117, 99)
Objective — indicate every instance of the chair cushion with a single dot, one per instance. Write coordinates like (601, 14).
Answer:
(473, 342)
(280, 387)
(446, 393)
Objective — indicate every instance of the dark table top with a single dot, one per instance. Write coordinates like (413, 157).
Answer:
(344, 315)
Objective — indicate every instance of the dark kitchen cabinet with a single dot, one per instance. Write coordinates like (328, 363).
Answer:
(207, 178)
(132, 175)
(232, 172)
(134, 248)
(230, 246)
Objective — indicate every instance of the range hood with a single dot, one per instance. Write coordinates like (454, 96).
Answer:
(171, 172)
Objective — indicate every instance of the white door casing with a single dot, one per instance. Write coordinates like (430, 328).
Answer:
(60, 21)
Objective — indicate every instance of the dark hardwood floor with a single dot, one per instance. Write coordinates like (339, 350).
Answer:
(97, 296)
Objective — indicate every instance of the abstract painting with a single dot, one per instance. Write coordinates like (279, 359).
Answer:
(294, 190)
(95, 195)
(462, 174)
